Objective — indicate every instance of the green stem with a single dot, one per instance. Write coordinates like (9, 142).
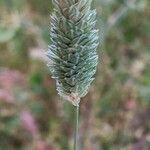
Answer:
(76, 129)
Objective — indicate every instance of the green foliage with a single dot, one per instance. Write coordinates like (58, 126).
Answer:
(72, 53)
(13, 4)
(7, 35)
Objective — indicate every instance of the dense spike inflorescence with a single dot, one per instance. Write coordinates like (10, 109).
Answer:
(72, 53)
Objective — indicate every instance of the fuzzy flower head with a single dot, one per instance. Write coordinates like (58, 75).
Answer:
(72, 53)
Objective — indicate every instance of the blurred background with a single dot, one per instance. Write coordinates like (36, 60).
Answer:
(115, 113)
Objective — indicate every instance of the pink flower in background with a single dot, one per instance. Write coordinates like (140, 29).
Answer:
(38, 53)
(6, 96)
(41, 145)
(28, 122)
(130, 104)
(9, 80)
(30, 125)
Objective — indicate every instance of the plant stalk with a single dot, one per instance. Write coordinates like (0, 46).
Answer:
(76, 129)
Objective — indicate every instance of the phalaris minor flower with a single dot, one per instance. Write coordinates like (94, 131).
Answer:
(72, 53)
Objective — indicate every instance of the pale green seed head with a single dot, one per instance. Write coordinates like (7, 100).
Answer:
(72, 53)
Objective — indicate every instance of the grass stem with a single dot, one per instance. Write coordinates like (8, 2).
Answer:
(76, 129)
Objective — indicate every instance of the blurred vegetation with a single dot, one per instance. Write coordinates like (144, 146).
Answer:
(115, 113)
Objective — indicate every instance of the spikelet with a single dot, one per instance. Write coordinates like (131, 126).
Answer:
(72, 53)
